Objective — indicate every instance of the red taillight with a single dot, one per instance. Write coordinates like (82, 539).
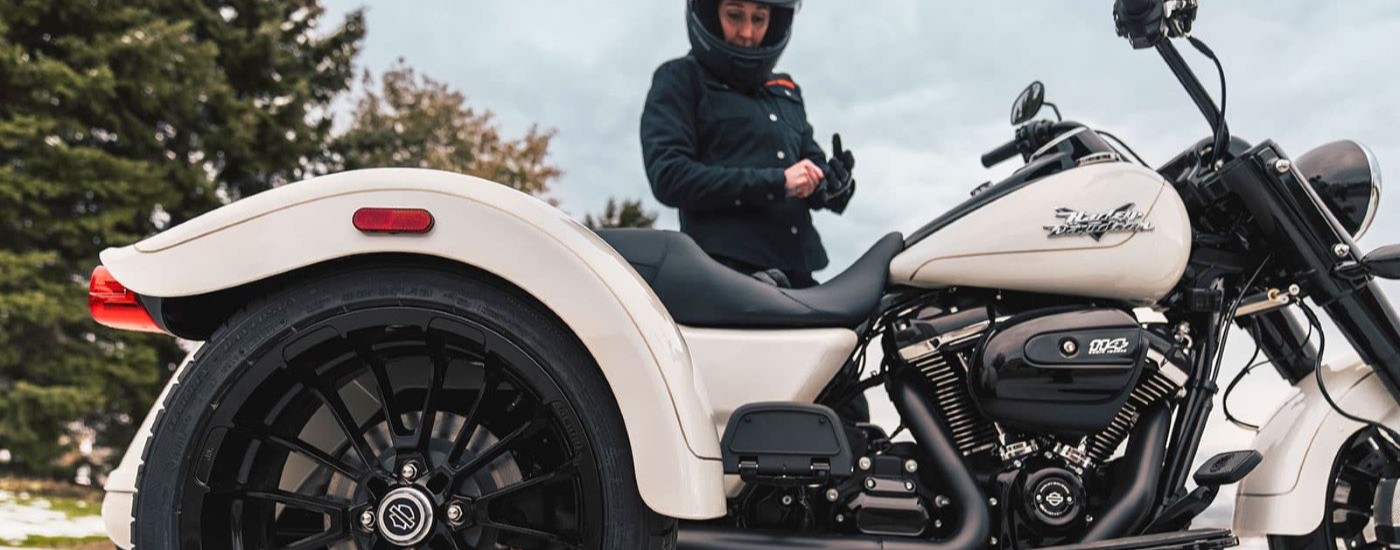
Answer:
(115, 306)
(393, 220)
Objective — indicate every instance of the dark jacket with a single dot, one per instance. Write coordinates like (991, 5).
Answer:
(719, 155)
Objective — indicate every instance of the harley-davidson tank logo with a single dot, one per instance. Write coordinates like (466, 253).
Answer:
(1124, 219)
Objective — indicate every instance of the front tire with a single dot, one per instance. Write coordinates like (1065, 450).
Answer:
(388, 407)
(1347, 522)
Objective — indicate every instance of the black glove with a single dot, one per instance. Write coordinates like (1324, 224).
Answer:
(838, 187)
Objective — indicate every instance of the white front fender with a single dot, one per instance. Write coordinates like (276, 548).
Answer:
(1286, 493)
(490, 227)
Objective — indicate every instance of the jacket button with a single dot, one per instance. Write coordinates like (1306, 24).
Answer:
(782, 155)
(773, 117)
(738, 202)
(788, 92)
(794, 230)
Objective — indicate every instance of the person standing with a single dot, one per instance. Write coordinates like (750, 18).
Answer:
(727, 142)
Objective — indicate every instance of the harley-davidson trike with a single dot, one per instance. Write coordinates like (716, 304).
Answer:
(406, 358)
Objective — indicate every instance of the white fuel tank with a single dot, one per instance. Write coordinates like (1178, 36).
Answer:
(1113, 230)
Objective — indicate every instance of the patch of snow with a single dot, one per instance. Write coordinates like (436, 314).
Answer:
(21, 521)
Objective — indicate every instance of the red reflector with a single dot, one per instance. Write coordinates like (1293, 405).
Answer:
(115, 306)
(393, 220)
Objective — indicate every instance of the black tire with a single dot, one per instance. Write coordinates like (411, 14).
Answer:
(1351, 490)
(190, 457)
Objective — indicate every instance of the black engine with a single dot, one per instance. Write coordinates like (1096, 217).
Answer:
(1039, 401)
(1036, 402)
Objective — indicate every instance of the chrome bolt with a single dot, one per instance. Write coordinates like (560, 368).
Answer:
(937, 524)
(909, 486)
(832, 495)
(1294, 290)
(787, 500)
(1069, 500)
(409, 471)
(1016, 463)
(1341, 250)
(367, 519)
(992, 542)
(1283, 166)
(869, 483)
(992, 501)
(941, 501)
(840, 518)
(864, 463)
(911, 466)
(455, 513)
(1088, 519)
(1068, 347)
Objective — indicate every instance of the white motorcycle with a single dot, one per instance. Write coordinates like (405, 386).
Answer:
(404, 358)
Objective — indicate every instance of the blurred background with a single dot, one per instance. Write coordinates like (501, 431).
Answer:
(120, 118)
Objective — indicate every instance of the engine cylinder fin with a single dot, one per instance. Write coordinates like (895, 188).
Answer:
(1152, 389)
(971, 432)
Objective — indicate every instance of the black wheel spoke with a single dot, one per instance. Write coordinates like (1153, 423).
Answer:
(489, 382)
(386, 390)
(528, 532)
(322, 540)
(437, 374)
(534, 426)
(345, 420)
(292, 444)
(1353, 509)
(288, 498)
(565, 472)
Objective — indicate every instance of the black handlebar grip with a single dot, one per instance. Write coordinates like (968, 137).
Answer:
(996, 156)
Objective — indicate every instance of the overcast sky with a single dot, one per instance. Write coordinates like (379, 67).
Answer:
(919, 89)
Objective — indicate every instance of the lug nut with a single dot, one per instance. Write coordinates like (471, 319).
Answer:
(455, 513)
(409, 471)
(367, 519)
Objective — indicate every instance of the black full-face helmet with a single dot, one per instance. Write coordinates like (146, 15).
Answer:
(743, 68)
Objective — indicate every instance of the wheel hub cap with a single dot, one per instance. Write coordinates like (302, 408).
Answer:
(405, 516)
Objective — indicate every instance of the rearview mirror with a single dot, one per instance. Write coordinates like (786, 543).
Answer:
(1028, 103)
(1384, 262)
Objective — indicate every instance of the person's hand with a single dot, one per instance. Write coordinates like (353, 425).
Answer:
(802, 178)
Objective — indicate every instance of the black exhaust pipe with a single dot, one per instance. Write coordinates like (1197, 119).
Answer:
(1130, 505)
(972, 525)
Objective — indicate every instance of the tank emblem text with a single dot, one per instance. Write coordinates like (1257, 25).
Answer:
(1124, 219)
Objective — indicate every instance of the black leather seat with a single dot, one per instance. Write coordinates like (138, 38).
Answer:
(701, 292)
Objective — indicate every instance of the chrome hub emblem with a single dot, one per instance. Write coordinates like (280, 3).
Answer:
(405, 516)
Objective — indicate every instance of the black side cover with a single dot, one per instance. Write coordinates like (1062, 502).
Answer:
(781, 442)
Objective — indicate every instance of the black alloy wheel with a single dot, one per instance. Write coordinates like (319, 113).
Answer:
(389, 424)
(1347, 521)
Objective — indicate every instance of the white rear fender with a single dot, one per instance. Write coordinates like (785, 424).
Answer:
(1286, 493)
(492, 228)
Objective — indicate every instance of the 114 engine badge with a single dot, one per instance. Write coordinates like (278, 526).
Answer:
(1124, 219)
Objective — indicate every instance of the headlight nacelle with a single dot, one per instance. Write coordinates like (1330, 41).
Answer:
(1348, 179)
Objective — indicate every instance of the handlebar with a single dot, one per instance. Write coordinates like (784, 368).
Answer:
(1001, 154)
(1140, 21)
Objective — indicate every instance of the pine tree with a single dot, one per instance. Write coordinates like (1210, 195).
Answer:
(117, 119)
